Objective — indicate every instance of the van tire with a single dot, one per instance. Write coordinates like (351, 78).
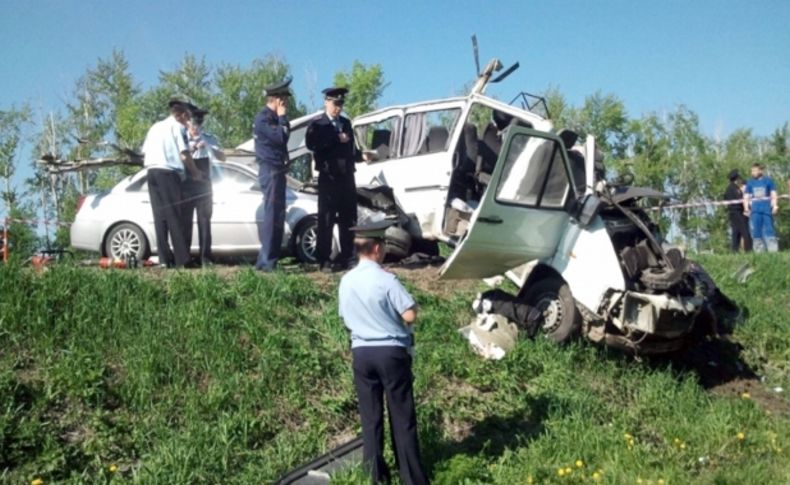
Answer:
(398, 242)
(552, 296)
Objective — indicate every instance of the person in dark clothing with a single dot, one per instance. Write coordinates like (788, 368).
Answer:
(739, 223)
(197, 193)
(331, 139)
(271, 131)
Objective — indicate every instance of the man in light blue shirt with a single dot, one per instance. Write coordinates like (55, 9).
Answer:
(380, 314)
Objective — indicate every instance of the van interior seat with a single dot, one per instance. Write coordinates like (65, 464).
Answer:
(488, 151)
(380, 143)
(462, 181)
(436, 141)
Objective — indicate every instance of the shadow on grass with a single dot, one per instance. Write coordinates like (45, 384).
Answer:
(491, 436)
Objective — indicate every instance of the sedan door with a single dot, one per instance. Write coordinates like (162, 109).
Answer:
(237, 198)
(523, 213)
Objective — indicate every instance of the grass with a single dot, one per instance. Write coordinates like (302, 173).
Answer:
(111, 376)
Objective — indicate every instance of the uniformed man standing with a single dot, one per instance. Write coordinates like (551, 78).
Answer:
(271, 131)
(197, 193)
(331, 139)
(166, 155)
(380, 315)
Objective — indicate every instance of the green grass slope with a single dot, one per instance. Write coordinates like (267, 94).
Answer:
(125, 376)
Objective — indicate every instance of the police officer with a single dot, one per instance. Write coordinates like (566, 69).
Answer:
(380, 315)
(197, 193)
(166, 155)
(271, 131)
(739, 223)
(331, 140)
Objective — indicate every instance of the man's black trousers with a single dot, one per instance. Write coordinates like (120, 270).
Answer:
(198, 198)
(337, 204)
(164, 190)
(381, 372)
(739, 225)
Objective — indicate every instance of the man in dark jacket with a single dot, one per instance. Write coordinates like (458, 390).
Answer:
(739, 223)
(271, 131)
(331, 139)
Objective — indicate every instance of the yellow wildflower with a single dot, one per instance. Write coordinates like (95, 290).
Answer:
(568, 470)
(113, 468)
(561, 472)
(579, 463)
(596, 476)
(530, 481)
(741, 436)
(37, 481)
(628, 436)
(746, 395)
(660, 481)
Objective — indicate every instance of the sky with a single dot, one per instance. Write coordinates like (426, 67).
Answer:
(728, 61)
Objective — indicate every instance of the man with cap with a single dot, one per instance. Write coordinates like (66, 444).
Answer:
(761, 210)
(739, 223)
(197, 193)
(166, 155)
(271, 131)
(380, 315)
(331, 139)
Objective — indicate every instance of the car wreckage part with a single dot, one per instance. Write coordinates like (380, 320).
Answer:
(318, 470)
(663, 315)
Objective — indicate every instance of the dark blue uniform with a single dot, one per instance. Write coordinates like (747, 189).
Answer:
(337, 196)
(271, 151)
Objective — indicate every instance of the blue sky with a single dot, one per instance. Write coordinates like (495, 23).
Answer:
(729, 61)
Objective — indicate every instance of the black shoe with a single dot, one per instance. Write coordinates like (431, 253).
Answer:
(326, 267)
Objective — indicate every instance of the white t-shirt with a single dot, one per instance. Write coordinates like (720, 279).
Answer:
(164, 143)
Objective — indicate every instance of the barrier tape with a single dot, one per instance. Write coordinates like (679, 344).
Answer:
(712, 203)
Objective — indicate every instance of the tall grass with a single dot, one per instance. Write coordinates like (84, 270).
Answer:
(194, 378)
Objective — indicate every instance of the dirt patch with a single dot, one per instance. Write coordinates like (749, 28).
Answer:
(766, 397)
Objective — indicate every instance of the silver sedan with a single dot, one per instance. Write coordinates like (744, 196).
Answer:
(119, 223)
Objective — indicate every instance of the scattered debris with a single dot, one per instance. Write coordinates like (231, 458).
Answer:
(743, 273)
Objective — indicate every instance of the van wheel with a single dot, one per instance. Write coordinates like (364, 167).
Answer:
(126, 240)
(397, 242)
(561, 319)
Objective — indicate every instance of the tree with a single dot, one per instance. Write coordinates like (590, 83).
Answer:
(22, 236)
(239, 97)
(365, 85)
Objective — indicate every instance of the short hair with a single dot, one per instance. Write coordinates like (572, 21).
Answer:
(178, 109)
(366, 245)
(758, 165)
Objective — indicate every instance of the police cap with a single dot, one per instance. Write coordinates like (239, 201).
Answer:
(335, 94)
(372, 230)
(198, 114)
(279, 89)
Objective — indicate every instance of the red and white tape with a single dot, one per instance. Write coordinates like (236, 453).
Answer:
(711, 203)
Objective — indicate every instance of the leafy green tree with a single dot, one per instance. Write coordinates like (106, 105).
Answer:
(22, 236)
(239, 97)
(365, 84)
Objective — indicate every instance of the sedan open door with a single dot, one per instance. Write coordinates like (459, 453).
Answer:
(524, 212)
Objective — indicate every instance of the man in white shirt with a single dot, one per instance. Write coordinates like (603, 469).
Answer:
(166, 155)
(197, 193)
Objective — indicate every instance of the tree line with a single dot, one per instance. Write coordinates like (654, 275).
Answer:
(665, 151)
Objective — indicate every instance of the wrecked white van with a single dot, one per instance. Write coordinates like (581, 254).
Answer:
(515, 197)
